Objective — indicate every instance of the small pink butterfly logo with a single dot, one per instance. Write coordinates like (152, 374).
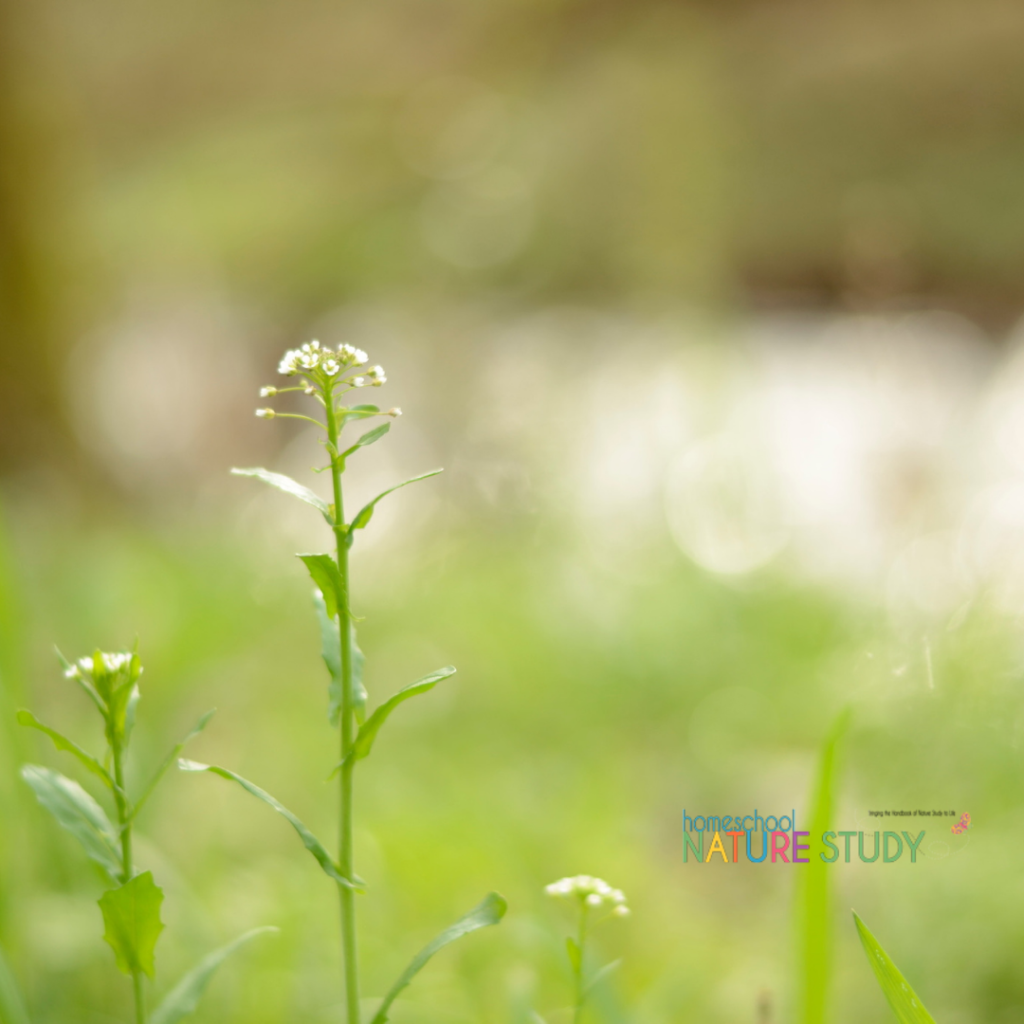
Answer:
(962, 825)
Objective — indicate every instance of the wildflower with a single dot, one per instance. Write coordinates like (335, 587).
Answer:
(594, 892)
(352, 356)
(268, 392)
(331, 367)
(289, 364)
(377, 375)
(396, 412)
(265, 414)
(110, 663)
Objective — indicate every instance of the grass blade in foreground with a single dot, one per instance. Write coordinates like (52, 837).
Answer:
(184, 997)
(489, 912)
(814, 903)
(12, 1006)
(902, 998)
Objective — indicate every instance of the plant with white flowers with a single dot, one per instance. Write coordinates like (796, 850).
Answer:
(131, 909)
(595, 901)
(328, 376)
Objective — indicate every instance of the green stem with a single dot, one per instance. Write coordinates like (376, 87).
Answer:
(124, 821)
(578, 972)
(345, 858)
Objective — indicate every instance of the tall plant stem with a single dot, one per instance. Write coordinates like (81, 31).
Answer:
(124, 821)
(581, 940)
(345, 858)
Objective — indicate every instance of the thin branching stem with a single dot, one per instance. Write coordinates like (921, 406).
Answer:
(345, 854)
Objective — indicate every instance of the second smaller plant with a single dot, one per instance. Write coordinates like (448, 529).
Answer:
(595, 901)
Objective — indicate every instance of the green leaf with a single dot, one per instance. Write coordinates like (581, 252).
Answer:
(368, 732)
(902, 998)
(574, 953)
(309, 840)
(365, 514)
(77, 812)
(29, 720)
(169, 760)
(330, 651)
(489, 912)
(368, 438)
(12, 1006)
(184, 997)
(326, 576)
(599, 977)
(358, 412)
(289, 486)
(813, 897)
(131, 915)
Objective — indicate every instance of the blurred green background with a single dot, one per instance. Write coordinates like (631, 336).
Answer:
(709, 311)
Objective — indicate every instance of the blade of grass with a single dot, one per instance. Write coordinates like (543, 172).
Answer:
(814, 925)
(902, 998)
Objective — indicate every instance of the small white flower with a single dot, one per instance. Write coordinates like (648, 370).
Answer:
(396, 411)
(331, 367)
(265, 414)
(590, 891)
(357, 382)
(289, 364)
(268, 392)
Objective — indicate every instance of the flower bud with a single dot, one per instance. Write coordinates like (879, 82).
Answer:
(268, 392)
(265, 414)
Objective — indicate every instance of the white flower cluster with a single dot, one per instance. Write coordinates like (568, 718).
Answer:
(595, 892)
(111, 663)
(330, 362)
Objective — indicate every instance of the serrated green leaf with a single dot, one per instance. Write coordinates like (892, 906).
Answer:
(169, 760)
(368, 438)
(330, 651)
(27, 719)
(12, 1005)
(573, 952)
(490, 911)
(325, 575)
(368, 731)
(814, 917)
(77, 812)
(289, 486)
(902, 998)
(184, 997)
(309, 840)
(365, 514)
(131, 916)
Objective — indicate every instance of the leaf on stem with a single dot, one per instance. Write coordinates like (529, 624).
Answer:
(29, 720)
(488, 912)
(359, 412)
(368, 731)
(289, 486)
(12, 1005)
(902, 998)
(575, 956)
(131, 916)
(309, 840)
(365, 514)
(184, 997)
(330, 652)
(601, 976)
(368, 438)
(169, 760)
(77, 812)
(327, 578)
